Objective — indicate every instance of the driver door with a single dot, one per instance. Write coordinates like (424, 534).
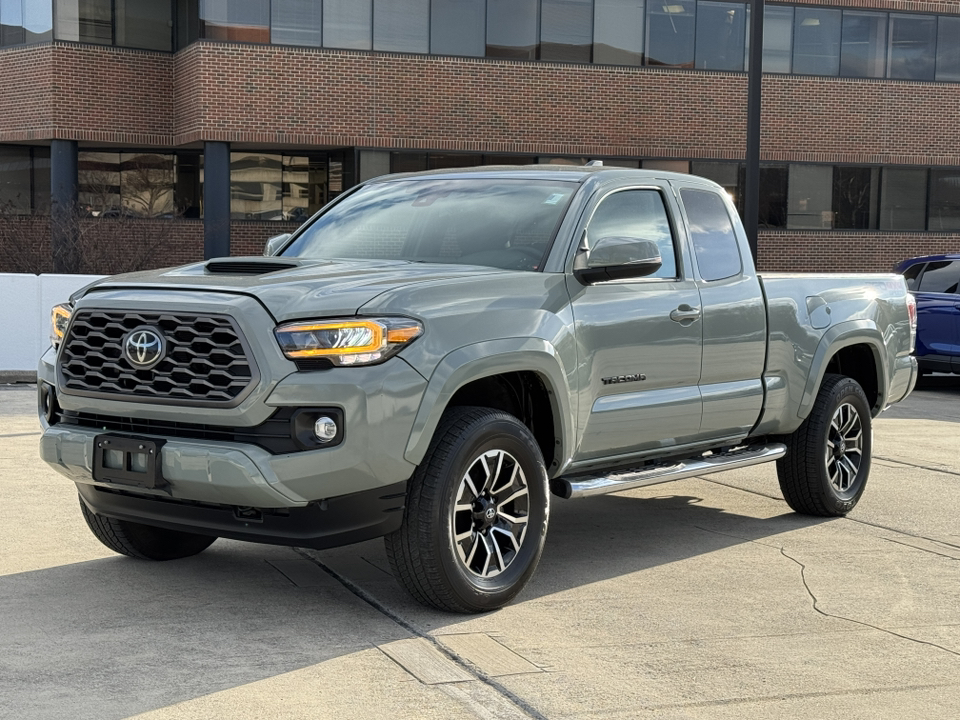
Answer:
(639, 340)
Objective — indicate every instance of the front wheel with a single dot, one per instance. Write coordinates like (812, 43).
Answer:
(476, 514)
(827, 463)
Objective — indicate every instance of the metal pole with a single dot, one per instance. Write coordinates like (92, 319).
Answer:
(63, 205)
(216, 200)
(751, 200)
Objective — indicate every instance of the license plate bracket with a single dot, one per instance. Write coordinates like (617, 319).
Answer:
(128, 460)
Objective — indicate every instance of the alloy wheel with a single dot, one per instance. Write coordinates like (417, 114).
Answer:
(844, 452)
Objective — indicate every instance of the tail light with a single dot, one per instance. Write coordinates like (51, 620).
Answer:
(912, 314)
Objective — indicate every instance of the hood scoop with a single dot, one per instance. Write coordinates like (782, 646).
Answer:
(247, 266)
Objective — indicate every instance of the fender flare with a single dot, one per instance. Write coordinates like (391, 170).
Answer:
(494, 357)
(839, 336)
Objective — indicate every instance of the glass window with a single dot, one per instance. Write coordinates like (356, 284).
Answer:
(944, 200)
(810, 197)
(913, 42)
(864, 48)
(816, 41)
(671, 29)
(566, 30)
(911, 274)
(773, 195)
(636, 214)
(509, 159)
(725, 174)
(144, 24)
(188, 190)
(457, 27)
(255, 186)
(38, 21)
(374, 163)
(903, 198)
(546, 160)
(712, 233)
(401, 25)
(948, 49)
(407, 162)
(188, 22)
(720, 35)
(15, 172)
(492, 222)
(147, 181)
(677, 166)
(348, 24)
(304, 186)
(618, 32)
(940, 277)
(512, 29)
(296, 22)
(777, 38)
(856, 197)
(11, 23)
(86, 21)
(235, 20)
(98, 181)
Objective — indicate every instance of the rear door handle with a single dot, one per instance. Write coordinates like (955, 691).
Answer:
(685, 314)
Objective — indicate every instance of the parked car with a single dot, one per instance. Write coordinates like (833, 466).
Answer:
(432, 355)
(935, 282)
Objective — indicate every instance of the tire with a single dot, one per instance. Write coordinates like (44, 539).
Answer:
(819, 475)
(471, 546)
(144, 542)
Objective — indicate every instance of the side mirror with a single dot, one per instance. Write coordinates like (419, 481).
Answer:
(275, 243)
(617, 258)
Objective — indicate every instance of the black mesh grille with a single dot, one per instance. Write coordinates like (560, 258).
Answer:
(205, 360)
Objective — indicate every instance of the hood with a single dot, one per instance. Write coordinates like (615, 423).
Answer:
(293, 288)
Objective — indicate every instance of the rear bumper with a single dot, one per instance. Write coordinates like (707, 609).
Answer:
(340, 521)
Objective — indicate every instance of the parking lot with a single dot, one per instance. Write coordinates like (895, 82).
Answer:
(703, 598)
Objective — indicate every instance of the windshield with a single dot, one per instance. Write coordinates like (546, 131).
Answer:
(501, 223)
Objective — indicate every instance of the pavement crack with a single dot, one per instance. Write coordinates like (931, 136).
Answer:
(816, 607)
(510, 697)
(919, 467)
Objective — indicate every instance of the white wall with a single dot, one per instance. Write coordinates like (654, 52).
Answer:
(25, 304)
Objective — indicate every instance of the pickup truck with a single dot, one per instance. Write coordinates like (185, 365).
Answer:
(433, 355)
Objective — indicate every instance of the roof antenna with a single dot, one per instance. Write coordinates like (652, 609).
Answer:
(594, 163)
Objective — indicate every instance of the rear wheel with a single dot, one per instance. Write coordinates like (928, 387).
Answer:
(827, 463)
(476, 514)
(143, 541)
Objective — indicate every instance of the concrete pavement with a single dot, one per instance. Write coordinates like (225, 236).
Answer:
(704, 598)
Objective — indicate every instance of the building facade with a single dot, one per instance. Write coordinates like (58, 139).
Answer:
(218, 123)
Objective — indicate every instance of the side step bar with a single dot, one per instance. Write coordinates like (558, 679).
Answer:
(585, 485)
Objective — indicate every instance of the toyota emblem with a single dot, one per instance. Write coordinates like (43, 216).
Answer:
(144, 348)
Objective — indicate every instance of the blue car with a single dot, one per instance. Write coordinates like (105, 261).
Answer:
(934, 281)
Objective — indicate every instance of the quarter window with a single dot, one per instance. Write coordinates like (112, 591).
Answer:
(638, 214)
(714, 239)
(941, 277)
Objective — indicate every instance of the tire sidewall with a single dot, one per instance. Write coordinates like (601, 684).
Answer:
(501, 433)
(847, 391)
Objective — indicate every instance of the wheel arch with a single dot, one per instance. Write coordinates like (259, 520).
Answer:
(522, 376)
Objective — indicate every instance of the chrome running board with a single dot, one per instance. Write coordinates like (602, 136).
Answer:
(585, 485)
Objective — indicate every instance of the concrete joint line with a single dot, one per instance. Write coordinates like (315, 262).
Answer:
(919, 467)
(813, 598)
(519, 708)
(923, 549)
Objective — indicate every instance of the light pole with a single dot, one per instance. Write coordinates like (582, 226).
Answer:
(751, 201)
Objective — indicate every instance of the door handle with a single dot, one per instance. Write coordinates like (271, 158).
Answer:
(685, 314)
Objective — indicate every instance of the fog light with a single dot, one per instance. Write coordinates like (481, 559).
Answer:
(325, 429)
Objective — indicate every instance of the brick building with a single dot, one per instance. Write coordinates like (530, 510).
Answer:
(228, 121)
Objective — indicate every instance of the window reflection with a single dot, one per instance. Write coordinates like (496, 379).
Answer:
(777, 39)
(401, 25)
(912, 42)
(566, 30)
(720, 36)
(816, 41)
(143, 24)
(903, 198)
(348, 24)
(255, 186)
(948, 49)
(810, 197)
(87, 21)
(296, 22)
(115, 185)
(637, 214)
(236, 20)
(457, 27)
(944, 200)
(512, 29)
(670, 33)
(618, 32)
(864, 47)
(855, 197)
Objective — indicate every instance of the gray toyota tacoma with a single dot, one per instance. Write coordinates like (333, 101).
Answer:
(432, 355)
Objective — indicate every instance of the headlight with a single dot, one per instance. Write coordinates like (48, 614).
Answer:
(59, 318)
(347, 342)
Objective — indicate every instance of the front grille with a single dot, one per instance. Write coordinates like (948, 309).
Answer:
(205, 363)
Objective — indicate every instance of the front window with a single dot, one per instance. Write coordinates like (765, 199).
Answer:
(493, 222)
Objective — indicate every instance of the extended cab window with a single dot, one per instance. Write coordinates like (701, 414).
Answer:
(714, 241)
(636, 214)
(941, 277)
